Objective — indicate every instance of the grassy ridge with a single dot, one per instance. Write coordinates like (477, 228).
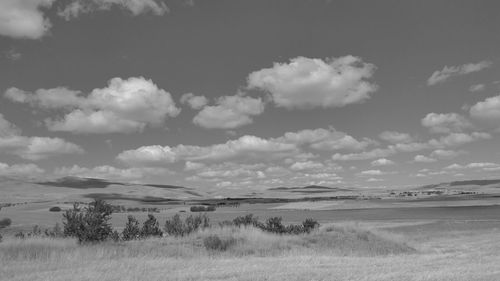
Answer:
(335, 252)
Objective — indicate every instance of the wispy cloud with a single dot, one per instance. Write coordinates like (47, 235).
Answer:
(440, 76)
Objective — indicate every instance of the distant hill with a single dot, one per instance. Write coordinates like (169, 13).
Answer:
(461, 184)
(80, 183)
(475, 182)
(309, 188)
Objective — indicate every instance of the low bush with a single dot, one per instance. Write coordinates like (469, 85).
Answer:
(151, 228)
(210, 208)
(273, 224)
(5, 223)
(131, 230)
(215, 243)
(55, 209)
(177, 227)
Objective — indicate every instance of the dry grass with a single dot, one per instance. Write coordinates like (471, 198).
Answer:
(332, 253)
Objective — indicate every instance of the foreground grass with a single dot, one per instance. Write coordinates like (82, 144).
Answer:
(332, 253)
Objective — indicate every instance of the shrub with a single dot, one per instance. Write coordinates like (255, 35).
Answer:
(210, 208)
(309, 225)
(5, 222)
(20, 235)
(131, 230)
(246, 220)
(215, 243)
(91, 225)
(274, 225)
(177, 227)
(151, 227)
(55, 209)
(115, 236)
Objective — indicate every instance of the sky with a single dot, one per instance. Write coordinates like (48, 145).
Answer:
(250, 94)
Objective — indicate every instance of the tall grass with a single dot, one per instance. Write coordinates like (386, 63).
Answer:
(332, 252)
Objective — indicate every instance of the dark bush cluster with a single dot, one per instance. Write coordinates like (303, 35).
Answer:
(210, 208)
(90, 224)
(215, 243)
(5, 223)
(55, 209)
(273, 224)
(177, 227)
(123, 209)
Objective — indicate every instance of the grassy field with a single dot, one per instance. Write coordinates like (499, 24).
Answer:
(339, 252)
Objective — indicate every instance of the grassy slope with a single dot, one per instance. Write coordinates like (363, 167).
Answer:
(470, 255)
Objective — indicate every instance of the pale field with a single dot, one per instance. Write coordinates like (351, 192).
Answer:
(455, 252)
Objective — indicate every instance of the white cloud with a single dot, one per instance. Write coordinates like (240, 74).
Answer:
(382, 162)
(153, 154)
(325, 139)
(424, 159)
(486, 166)
(24, 18)
(477, 87)
(372, 173)
(457, 139)
(195, 102)
(124, 106)
(13, 54)
(229, 113)
(306, 165)
(135, 7)
(454, 166)
(487, 111)
(440, 76)
(28, 19)
(445, 123)
(395, 137)
(20, 170)
(32, 148)
(307, 83)
(365, 155)
(110, 172)
(446, 154)
(246, 146)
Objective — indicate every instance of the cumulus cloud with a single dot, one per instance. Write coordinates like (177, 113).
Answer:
(382, 162)
(147, 155)
(24, 18)
(423, 159)
(136, 7)
(32, 148)
(110, 172)
(292, 146)
(28, 19)
(372, 173)
(445, 123)
(307, 82)
(229, 112)
(325, 139)
(245, 146)
(485, 166)
(306, 165)
(487, 111)
(124, 106)
(395, 137)
(450, 140)
(195, 102)
(20, 170)
(440, 76)
(446, 154)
